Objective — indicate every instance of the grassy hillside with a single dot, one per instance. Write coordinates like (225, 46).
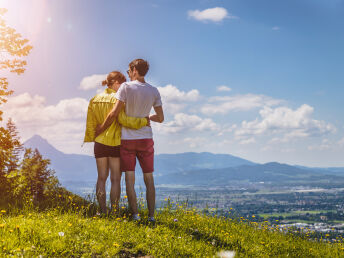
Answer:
(177, 233)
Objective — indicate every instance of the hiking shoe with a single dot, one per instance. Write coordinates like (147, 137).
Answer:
(151, 219)
(136, 217)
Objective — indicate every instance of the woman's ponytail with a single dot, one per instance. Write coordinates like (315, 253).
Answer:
(105, 82)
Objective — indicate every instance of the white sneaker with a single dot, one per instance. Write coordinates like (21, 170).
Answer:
(151, 219)
(136, 217)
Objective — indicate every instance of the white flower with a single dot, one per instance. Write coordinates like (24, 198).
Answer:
(226, 254)
(61, 234)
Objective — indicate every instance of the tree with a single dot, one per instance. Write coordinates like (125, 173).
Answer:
(16, 147)
(36, 173)
(12, 50)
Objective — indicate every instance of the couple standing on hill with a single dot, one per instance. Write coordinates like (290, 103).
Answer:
(118, 122)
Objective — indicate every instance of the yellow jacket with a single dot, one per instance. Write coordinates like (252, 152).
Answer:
(98, 108)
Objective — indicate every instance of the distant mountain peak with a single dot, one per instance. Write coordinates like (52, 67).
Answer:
(274, 164)
(37, 138)
(44, 147)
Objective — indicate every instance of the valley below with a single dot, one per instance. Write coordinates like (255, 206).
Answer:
(290, 196)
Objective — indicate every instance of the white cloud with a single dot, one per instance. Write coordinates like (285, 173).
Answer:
(174, 100)
(289, 123)
(184, 123)
(325, 145)
(223, 88)
(276, 28)
(62, 124)
(195, 142)
(32, 110)
(216, 14)
(341, 142)
(225, 104)
(227, 128)
(247, 141)
(92, 82)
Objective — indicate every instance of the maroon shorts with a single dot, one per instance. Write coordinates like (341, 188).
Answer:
(142, 149)
(105, 151)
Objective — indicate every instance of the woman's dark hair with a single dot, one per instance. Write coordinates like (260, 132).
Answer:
(142, 66)
(113, 77)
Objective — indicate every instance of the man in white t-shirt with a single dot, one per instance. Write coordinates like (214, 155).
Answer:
(139, 98)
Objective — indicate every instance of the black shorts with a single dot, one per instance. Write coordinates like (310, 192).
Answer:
(104, 151)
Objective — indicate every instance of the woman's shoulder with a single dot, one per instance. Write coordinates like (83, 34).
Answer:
(104, 96)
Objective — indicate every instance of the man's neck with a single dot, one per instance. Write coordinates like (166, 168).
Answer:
(141, 79)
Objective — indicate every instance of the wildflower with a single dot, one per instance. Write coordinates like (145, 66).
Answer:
(125, 197)
(70, 224)
(227, 254)
(3, 211)
(61, 234)
(2, 225)
(253, 216)
(175, 220)
(115, 245)
(17, 226)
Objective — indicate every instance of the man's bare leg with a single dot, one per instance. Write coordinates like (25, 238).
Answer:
(130, 187)
(150, 192)
(115, 177)
(103, 173)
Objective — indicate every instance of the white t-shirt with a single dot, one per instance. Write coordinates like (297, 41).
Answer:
(139, 98)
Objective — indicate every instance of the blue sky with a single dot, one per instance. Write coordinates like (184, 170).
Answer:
(281, 63)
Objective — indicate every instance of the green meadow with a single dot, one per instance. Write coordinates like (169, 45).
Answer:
(178, 232)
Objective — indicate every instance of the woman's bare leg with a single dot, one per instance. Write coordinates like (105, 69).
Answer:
(103, 173)
(115, 177)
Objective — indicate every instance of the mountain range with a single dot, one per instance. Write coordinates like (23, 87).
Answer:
(76, 167)
(200, 169)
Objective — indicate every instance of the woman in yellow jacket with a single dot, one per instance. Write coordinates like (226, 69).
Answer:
(107, 144)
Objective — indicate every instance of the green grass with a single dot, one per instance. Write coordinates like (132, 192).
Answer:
(177, 233)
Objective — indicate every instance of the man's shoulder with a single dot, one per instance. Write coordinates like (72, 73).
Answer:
(150, 86)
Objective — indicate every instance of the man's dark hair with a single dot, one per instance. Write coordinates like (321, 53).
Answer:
(142, 66)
